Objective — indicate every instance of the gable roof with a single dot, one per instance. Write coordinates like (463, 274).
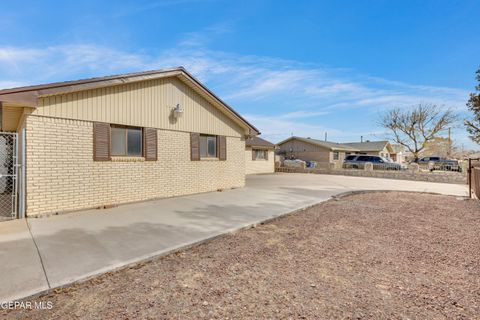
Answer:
(369, 145)
(28, 96)
(397, 148)
(334, 146)
(259, 142)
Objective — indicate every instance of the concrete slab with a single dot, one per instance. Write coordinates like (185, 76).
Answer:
(21, 271)
(79, 245)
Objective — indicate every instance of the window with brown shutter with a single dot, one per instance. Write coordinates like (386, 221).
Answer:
(101, 141)
(208, 146)
(126, 141)
(150, 144)
(195, 146)
(222, 147)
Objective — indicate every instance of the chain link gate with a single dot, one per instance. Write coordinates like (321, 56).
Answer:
(8, 176)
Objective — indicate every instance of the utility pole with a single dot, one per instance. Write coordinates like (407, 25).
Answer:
(361, 138)
(325, 135)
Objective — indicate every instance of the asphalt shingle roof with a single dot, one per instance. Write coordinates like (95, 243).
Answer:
(258, 142)
(335, 146)
(368, 145)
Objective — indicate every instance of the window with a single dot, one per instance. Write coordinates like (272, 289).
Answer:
(126, 141)
(363, 158)
(335, 155)
(208, 146)
(260, 154)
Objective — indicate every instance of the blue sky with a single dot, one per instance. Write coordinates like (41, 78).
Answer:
(301, 67)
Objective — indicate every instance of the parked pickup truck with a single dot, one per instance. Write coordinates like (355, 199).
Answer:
(440, 163)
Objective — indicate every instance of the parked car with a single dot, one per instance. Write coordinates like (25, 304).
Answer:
(379, 163)
(440, 163)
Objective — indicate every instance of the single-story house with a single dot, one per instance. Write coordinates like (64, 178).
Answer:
(373, 148)
(399, 153)
(117, 139)
(259, 156)
(308, 149)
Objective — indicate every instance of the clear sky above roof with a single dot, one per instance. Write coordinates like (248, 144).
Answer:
(301, 67)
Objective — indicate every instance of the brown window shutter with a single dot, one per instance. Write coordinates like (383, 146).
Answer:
(101, 141)
(150, 142)
(195, 146)
(222, 147)
(253, 155)
(266, 154)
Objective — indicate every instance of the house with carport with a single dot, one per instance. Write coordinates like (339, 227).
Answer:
(106, 141)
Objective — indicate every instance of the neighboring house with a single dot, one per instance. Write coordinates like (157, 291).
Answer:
(308, 149)
(259, 156)
(399, 153)
(118, 139)
(374, 148)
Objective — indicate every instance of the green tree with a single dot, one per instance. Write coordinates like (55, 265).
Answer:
(473, 104)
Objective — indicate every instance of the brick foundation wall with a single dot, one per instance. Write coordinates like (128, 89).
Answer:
(62, 176)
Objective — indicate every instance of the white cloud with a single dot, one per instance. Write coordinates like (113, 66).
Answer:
(279, 96)
(277, 128)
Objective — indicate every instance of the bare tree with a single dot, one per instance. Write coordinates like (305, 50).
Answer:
(413, 128)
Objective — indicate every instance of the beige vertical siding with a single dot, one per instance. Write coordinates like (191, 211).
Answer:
(259, 166)
(146, 104)
(11, 117)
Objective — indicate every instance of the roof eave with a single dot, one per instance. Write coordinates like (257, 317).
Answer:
(29, 96)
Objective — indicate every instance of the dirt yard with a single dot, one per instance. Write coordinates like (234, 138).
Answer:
(375, 255)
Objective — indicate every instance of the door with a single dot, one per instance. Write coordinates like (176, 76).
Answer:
(8, 176)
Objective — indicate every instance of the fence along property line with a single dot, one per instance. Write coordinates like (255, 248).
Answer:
(435, 176)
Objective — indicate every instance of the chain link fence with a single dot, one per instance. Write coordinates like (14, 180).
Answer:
(8, 192)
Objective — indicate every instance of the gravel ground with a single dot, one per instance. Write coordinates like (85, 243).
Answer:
(373, 255)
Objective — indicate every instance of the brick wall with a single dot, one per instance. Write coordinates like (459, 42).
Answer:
(259, 166)
(62, 176)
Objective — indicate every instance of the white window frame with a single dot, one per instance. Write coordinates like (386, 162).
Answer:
(336, 155)
(208, 138)
(265, 153)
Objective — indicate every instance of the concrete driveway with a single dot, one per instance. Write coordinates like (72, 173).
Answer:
(38, 254)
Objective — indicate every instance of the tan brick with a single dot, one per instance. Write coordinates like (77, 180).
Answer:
(62, 176)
